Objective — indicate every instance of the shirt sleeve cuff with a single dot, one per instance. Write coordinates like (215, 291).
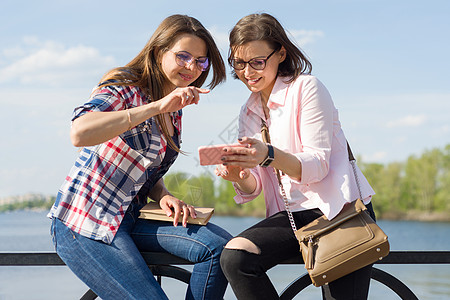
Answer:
(242, 197)
(313, 169)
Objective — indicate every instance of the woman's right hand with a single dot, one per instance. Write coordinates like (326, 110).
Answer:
(242, 177)
(180, 98)
(232, 173)
(97, 127)
(174, 207)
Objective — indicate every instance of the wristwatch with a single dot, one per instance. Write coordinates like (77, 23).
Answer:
(269, 158)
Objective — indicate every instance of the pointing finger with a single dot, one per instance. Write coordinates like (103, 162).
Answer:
(203, 91)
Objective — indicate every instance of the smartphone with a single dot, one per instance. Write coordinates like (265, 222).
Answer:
(210, 155)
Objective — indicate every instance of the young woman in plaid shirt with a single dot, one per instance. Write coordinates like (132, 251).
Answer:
(130, 131)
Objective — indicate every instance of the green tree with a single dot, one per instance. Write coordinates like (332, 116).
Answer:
(421, 184)
(385, 180)
(442, 196)
(420, 181)
(200, 191)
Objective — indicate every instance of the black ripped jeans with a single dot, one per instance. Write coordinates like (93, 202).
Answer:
(246, 271)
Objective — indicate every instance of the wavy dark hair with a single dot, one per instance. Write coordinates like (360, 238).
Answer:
(264, 27)
(145, 69)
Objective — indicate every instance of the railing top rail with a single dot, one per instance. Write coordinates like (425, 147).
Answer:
(22, 258)
(403, 257)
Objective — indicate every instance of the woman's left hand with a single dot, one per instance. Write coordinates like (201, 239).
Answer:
(249, 157)
(173, 206)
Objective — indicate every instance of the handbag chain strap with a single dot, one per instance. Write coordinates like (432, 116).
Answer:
(266, 139)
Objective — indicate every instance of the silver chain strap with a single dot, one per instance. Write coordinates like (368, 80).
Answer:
(266, 139)
(286, 206)
(353, 162)
(286, 203)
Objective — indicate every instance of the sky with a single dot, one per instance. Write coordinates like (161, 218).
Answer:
(384, 62)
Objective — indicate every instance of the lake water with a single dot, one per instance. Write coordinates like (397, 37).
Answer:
(29, 231)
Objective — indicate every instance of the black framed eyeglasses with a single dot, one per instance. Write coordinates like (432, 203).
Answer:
(184, 58)
(255, 63)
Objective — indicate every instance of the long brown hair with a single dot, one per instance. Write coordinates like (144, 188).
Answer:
(264, 27)
(145, 70)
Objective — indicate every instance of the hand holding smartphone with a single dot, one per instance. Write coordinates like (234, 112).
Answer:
(210, 155)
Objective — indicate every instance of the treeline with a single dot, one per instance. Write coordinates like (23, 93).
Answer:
(208, 191)
(26, 202)
(417, 189)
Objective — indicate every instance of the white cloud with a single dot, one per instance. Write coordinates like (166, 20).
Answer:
(50, 63)
(306, 37)
(401, 139)
(441, 132)
(379, 156)
(13, 52)
(408, 121)
(302, 37)
(445, 129)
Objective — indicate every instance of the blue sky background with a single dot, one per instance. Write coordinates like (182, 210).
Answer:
(384, 62)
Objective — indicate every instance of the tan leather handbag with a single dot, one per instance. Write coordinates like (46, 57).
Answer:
(350, 241)
(334, 248)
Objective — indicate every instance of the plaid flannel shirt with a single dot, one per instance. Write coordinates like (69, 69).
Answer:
(105, 178)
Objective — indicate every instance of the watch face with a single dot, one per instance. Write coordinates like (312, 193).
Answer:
(269, 158)
(268, 162)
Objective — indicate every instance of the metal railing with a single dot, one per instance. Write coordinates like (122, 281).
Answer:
(167, 265)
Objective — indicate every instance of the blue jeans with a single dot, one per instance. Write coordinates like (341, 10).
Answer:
(118, 271)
